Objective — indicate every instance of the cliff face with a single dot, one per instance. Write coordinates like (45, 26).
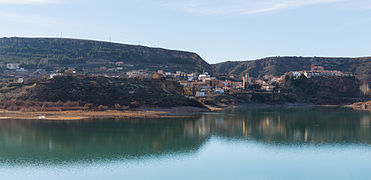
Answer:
(87, 54)
(277, 66)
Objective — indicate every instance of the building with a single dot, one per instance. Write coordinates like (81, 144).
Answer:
(138, 74)
(347, 74)
(53, 75)
(310, 74)
(296, 74)
(200, 94)
(168, 74)
(219, 91)
(158, 76)
(20, 80)
(267, 87)
(245, 81)
(179, 74)
(21, 70)
(12, 66)
(319, 71)
(191, 76)
(204, 76)
(119, 63)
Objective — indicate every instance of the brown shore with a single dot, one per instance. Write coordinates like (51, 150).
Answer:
(84, 115)
(146, 112)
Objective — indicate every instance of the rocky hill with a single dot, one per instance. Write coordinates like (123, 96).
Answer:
(87, 55)
(74, 92)
(277, 66)
(324, 90)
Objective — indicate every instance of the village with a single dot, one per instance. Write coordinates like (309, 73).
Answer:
(195, 84)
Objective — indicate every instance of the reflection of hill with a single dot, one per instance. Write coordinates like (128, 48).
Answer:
(57, 142)
(80, 141)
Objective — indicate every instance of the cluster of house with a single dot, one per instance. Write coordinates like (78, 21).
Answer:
(318, 71)
(15, 66)
(198, 85)
(270, 83)
(201, 85)
(204, 84)
(160, 74)
(14, 73)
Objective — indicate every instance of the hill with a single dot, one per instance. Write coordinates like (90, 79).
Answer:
(277, 66)
(90, 56)
(74, 92)
(323, 90)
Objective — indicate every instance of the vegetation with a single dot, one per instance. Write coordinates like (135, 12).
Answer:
(92, 93)
(324, 90)
(277, 66)
(85, 55)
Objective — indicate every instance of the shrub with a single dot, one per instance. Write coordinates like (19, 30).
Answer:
(117, 106)
(134, 104)
(102, 108)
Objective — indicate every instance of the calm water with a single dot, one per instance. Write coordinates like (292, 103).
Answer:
(263, 143)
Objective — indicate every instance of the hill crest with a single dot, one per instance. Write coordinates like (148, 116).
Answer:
(82, 54)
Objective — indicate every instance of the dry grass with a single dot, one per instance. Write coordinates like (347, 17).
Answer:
(79, 115)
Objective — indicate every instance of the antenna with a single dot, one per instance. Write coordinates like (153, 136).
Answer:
(61, 35)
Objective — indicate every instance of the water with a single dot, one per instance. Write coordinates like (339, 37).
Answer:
(250, 143)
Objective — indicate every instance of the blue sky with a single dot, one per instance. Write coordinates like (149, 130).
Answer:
(218, 30)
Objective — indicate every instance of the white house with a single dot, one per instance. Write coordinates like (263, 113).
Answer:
(200, 94)
(219, 91)
(21, 70)
(12, 66)
(53, 75)
(296, 74)
(204, 76)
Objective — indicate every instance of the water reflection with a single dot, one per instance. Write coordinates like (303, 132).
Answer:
(60, 142)
(295, 125)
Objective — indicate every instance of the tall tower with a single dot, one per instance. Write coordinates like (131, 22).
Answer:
(245, 81)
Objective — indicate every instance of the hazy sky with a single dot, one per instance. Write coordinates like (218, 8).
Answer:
(218, 30)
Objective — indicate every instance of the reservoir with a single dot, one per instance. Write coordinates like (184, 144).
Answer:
(246, 143)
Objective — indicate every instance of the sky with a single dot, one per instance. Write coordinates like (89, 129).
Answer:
(218, 30)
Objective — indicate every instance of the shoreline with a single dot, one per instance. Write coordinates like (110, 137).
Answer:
(175, 112)
(142, 112)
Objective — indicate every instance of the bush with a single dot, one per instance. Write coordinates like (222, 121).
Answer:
(117, 106)
(102, 108)
(88, 106)
(134, 104)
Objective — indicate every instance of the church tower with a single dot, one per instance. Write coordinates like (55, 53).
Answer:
(245, 81)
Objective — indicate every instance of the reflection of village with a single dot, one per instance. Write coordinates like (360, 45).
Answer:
(285, 127)
(195, 84)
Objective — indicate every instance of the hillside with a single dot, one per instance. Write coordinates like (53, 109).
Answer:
(323, 90)
(90, 56)
(277, 66)
(92, 92)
